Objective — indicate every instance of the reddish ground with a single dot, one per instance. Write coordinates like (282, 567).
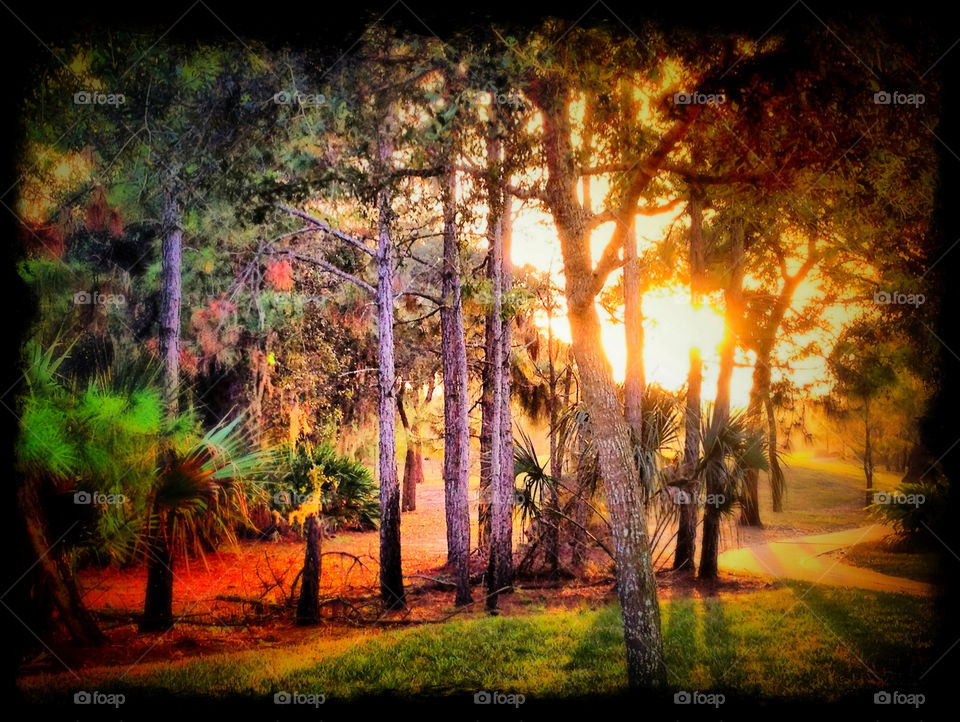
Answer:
(235, 599)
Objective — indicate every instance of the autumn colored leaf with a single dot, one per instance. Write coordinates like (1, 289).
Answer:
(279, 275)
(97, 211)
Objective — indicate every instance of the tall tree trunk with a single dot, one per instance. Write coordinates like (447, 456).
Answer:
(636, 586)
(501, 504)
(556, 471)
(867, 445)
(507, 477)
(308, 605)
(54, 574)
(486, 425)
(760, 393)
(413, 459)
(158, 598)
(750, 507)
(623, 486)
(391, 572)
(776, 473)
(710, 547)
(633, 328)
(456, 438)
(686, 545)
(171, 255)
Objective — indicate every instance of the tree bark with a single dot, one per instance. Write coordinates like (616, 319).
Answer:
(499, 569)
(760, 393)
(413, 459)
(556, 471)
(171, 258)
(507, 476)
(686, 545)
(456, 432)
(486, 425)
(775, 471)
(391, 573)
(53, 572)
(633, 329)
(636, 586)
(308, 606)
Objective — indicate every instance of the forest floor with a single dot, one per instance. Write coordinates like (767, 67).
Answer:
(238, 599)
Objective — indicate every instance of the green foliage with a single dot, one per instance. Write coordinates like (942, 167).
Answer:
(110, 436)
(100, 438)
(730, 449)
(534, 478)
(914, 508)
(209, 486)
(348, 494)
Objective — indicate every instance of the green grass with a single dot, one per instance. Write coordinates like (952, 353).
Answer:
(821, 495)
(921, 567)
(786, 642)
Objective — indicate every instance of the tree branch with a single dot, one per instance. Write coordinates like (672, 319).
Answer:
(327, 266)
(426, 296)
(598, 219)
(521, 193)
(355, 242)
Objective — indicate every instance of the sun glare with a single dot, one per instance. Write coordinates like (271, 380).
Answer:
(672, 326)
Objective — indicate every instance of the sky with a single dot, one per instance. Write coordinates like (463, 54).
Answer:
(671, 324)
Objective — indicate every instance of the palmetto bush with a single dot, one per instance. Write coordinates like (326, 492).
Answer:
(94, 438)
(174, 490)
(349, 497)
(729, 450)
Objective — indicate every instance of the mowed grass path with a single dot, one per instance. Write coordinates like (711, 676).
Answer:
(789, 641)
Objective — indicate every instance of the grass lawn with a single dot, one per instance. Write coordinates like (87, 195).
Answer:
(920, 566)
(789, 641)
(822, 495)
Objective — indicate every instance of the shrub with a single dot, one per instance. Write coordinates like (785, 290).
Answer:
(345, 487)
(913, 508)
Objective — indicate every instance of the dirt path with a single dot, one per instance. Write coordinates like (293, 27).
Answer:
(804, 558)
